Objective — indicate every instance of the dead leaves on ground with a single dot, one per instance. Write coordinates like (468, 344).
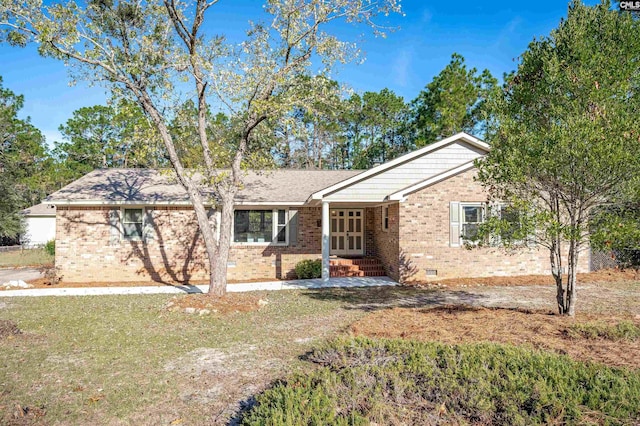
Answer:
(545, 330)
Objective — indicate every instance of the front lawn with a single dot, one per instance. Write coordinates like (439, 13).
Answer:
(144, 360)
(128, 359)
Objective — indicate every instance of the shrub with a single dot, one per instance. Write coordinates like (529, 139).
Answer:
(50, 247)
(363, 381)
(309, 269)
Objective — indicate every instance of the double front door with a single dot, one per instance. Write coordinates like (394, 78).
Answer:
(347, 232)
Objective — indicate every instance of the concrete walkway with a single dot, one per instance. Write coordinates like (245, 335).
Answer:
(191, 289)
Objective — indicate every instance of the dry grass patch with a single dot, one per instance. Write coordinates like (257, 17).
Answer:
(23, 416)
(112, 360)
(23, 258)
(469, 324)
(602, 276)
(8, 328)
(230, 303)
(624, 330)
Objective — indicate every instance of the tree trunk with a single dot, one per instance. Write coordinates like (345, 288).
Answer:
(217, 285)
(556, 271)
(218, 263)
(572, 278)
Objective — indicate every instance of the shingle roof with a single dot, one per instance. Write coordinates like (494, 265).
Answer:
(148, 186)
(42, 209)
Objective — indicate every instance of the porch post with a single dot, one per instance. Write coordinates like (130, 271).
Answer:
(325, 241)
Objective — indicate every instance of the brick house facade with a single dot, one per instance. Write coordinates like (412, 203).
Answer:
(408, 213)
(85, 251)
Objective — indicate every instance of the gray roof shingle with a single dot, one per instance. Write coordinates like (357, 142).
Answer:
(148, 186)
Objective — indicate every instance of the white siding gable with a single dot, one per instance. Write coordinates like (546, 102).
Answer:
(377, 187)
(39, 230)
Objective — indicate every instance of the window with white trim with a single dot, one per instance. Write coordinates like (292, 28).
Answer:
(385, 218)
(260, 226)
(132, 223)
(464, 221)
(471, 215)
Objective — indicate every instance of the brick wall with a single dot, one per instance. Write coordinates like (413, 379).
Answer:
(424, 238)
(369, 231)
(85, 250)
(385, 242)
(417, 240)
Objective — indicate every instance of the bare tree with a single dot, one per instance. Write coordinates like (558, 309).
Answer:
(155, 52)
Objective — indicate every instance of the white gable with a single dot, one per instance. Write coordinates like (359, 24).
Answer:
(378, 186)
(39, 230)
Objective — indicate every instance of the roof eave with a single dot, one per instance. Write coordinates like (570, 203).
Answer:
(462, 136)
(104, 203)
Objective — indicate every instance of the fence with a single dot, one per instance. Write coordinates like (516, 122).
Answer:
(602, 260)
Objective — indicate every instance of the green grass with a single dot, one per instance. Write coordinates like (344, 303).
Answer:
(624, 330)
(28, 257)
(103, 360)
(366, 381)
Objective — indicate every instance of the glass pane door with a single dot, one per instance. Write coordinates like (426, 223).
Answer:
(347, 232)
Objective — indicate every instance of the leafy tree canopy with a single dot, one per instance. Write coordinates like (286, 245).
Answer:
(105, 136)
(455, 101)
(23, 157)
(568, 134)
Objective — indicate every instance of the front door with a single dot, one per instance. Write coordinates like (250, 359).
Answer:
(347, 232)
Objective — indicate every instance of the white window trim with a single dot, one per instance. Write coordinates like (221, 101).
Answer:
(122, 236)
(385, 215)
(464, 204)
(274, 229)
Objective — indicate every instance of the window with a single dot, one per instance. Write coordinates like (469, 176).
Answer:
(512, 232)
(132, 224)
(464, 221)
(385, 218)
(260, 226)
(472, 216)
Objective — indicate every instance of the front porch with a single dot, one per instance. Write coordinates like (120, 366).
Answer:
(359, 239)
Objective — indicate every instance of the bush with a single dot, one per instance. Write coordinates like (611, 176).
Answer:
(363, 381)
(309, 269)
(50, 247)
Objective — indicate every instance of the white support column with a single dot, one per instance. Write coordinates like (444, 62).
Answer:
(325, 241)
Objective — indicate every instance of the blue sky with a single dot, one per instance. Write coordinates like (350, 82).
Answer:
(489, 34)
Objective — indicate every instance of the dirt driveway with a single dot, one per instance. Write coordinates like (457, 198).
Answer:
(619, 298)
(24, 274)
